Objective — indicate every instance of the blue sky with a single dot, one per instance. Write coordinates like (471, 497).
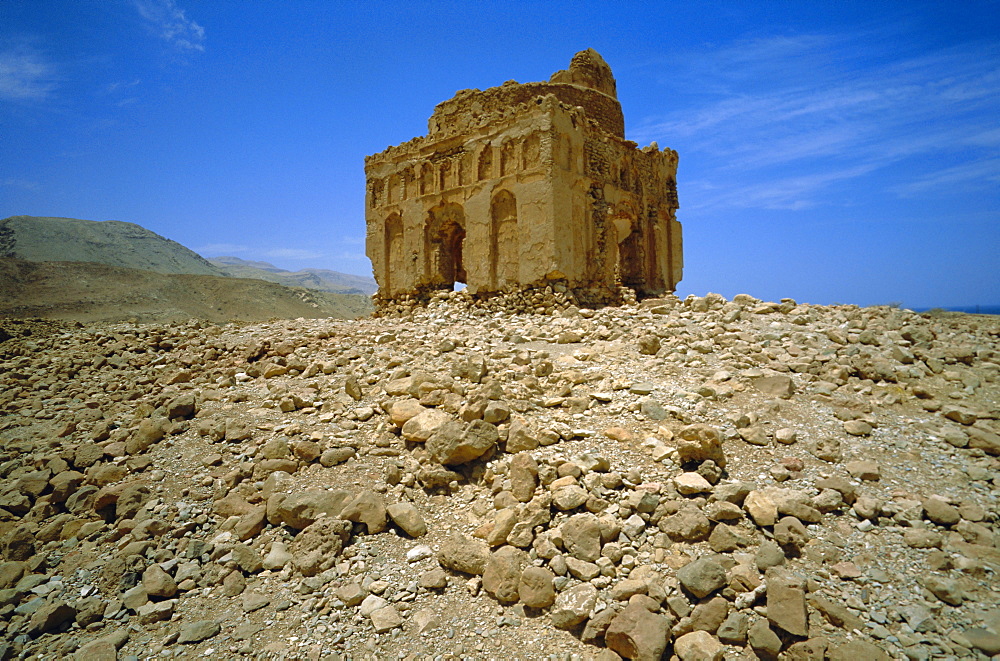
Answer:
(830, 152)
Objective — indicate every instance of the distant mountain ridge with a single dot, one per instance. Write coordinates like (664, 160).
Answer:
(111, 242)
(320, 279)
(92, 292)
(127, 245)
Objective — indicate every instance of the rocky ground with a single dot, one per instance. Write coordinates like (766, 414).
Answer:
(703, 479)
(98, 293)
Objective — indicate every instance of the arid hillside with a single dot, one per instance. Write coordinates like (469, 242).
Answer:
(697, 480)
(89, 292)
(319, 279)
(110, 242)
(127, 245)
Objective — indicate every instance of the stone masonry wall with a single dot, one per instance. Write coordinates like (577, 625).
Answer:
(522, 188)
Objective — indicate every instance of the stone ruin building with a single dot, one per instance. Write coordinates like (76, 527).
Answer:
(521, 188)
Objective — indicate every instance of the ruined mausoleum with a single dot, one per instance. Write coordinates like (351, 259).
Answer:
(525, 186)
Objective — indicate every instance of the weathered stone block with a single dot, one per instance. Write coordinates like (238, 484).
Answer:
(522, 186)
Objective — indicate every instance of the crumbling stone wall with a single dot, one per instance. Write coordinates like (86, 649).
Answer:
(523, 187)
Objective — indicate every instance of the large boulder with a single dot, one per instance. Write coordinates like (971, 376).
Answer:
(786, 602)
(535, 588)
(316, 548)
(464, 554)
(454, 443)
(298, 510)
(702, 577)
(408, 518)
(698, 443)
(573, 606)
(367, 508)
(502, 574)
(636, 633)
(422, 426)
(777, 385)
(582, 537)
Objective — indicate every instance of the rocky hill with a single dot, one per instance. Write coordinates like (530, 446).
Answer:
(318, 279)
(694, 480)
(89, 292)
(110, 242)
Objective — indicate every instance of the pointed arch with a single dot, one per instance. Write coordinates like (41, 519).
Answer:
(465, 168)
(427, 179)
(508, 158)
(393, 246)
(444, 238)
(628, 241)
(531, 151)
(409, 182)
(393, 189)
(504, 240)
(485, 168)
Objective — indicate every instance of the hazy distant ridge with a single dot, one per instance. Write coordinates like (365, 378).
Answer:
(127, 245)
(87, 270)
(321, 279)
(88, 292)
(111, 242)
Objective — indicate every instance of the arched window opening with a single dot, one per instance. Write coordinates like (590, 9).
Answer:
(393, 249)
(465, 167)
(507, 158)
(426, 179)
(392, 191)
(445, 237)
(531, 151)
(485, 170)
(628, 242)
(504, 240)
(409, 183)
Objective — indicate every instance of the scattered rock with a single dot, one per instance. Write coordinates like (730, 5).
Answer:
(454, 444)
(502, 574)
(153, 473)
(197, 631)
(572, 606)
(464, 554)
(786, 602)
(702, 577)
(535, 589)
(636, 633)
(698, 646)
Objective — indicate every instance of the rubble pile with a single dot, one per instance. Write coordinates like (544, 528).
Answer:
(544, 300)
(699, 479)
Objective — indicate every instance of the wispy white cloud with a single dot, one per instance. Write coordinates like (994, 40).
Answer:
(26, 75)
(792, 193)
(967, 177)
(172, 24)
(798, 114)
(122, 93)
(121, 86)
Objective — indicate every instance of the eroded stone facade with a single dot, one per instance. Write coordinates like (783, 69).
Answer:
(525, 186)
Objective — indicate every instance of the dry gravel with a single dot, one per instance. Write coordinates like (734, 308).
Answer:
(148, 476)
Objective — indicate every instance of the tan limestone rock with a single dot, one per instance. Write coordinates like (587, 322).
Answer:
(521, 186)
